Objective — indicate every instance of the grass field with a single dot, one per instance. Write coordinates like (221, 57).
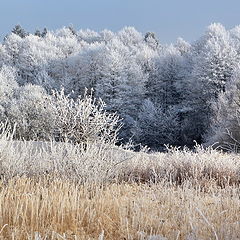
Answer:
(60, 191)
(53, 208)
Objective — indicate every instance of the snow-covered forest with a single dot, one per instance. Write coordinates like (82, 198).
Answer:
(165, 94)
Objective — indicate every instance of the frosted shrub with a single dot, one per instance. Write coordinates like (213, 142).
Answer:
(39, 116)
(31, 111)
(83, 119)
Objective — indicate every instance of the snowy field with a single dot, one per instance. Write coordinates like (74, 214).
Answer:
(61, 191)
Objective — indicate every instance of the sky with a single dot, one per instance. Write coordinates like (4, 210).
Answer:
(169, 19)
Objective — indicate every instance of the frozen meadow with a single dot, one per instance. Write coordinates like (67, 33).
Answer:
(52, 190)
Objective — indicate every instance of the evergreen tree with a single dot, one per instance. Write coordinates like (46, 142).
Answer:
(44, 32)
(37, 33)
(18, 30)
(71, 28)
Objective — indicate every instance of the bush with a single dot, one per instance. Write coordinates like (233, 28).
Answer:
(31, 111)
(39, 116)
(83, 119)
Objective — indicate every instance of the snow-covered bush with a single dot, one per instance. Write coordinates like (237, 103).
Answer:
(31, 111)
(39, 116)
(83, 119)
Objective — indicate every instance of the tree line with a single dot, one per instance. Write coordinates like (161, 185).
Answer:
(164, 93)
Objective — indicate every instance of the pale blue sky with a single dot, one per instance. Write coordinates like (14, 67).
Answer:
(168, 18)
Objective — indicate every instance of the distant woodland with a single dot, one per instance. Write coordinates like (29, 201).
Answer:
(176, 94)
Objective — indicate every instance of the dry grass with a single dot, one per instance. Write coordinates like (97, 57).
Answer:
(63, 191)
(53, 208)
(105, 163)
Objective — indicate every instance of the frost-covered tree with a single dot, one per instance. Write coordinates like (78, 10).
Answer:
(106, 35)
(30, 111)
(213, 60)
(83, 120)
(33, 55)
(7, 86)
(12, 45)
(235, 38)
(40, 116)
(182, 46)
(121, 82)
(130, 37)
(163, 80)
(7, 82)
(156, 127)
(82, 69)
(89, 36)
(152, 41)
(72, 29)
(121, 79)
(44, 32)
(124, 69)
(225, 122)
(37, 33)
(5, 58)
(18, 30)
